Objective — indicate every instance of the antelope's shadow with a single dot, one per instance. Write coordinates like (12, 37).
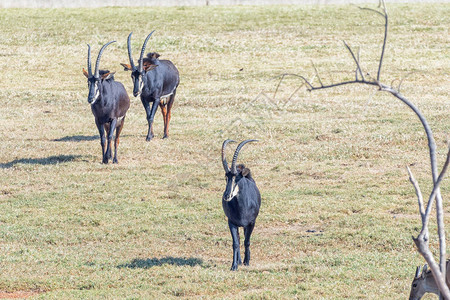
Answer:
(51, 160)
(82, 138)
(148, 263)
(78, 138)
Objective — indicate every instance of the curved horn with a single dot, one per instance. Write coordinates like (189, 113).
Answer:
(236, 153)
(417, 272)
(89, 61)
(141, 58)
(129, 52)
(97, 64)
(224, 159)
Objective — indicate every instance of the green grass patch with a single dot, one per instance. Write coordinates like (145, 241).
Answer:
(337, 209)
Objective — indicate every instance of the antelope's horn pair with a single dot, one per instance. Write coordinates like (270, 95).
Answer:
(97, 63)
(235, 156)
(141, 58)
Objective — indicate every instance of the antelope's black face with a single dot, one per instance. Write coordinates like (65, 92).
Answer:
(138, 82)
(94, 89)
(232, 188)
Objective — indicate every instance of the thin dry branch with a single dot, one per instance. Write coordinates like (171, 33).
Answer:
(384, 14)
(358, 68)
(418, 193)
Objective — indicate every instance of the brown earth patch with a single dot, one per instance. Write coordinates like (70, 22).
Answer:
(17, 294)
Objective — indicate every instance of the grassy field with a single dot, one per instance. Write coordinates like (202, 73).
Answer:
(338, 211)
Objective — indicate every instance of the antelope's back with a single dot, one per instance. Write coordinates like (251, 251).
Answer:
(171, 76)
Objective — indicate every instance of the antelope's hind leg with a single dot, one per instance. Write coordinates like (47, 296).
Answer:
(164, 114)
(101, 131)
(119, 128)
(168, 115)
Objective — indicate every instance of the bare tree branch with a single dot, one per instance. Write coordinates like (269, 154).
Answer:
(434, 172)
(385, 16)
(418, 194)
(358, 68)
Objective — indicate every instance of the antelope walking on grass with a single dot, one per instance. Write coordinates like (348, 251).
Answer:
(156, 81)
(240, 201)
(109, 103)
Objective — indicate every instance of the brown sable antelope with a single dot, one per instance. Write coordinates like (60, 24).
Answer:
(109, 103)
(156, 81)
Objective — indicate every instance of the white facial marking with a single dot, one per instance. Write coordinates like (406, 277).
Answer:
(141, 84)
(234, 192)
(96, 94)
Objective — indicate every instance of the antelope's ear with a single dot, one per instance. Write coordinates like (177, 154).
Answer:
(424, 270)
(155, 55)
(85, 73)
(149, 67)
(245, 172)
(126, 67)
(108, 75)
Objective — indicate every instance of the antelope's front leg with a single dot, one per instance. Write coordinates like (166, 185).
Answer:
(101, 131)
(148, 113)
(110, 128)
(236, 251)
(151, 117)
(247, 232)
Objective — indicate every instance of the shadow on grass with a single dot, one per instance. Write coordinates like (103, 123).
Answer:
(51, 160)
(81, 138)
(148, 263)
(78, 138)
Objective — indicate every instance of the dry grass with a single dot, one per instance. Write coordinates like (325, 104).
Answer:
(338, 211)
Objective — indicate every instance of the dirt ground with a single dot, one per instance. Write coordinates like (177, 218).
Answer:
(16, 295)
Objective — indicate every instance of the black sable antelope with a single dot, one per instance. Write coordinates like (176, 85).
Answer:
(240, 201)
(155, 80)
(109, 103)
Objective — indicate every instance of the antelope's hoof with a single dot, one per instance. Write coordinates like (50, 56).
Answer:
(149, 138)
(165, 136)
(234, 267)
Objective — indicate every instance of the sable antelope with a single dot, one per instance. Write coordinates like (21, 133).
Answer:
(109, 103)
(424, 283)
(240, 201)
(155, 80)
